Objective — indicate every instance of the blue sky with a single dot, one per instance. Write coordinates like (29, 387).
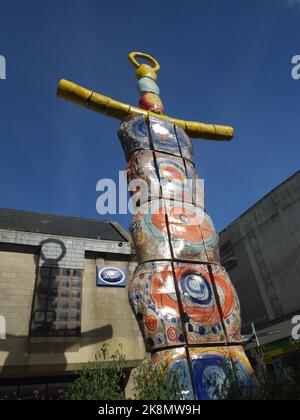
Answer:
(221, 61)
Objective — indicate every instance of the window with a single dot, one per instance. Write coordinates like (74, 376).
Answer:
(57, 303)
(229, 260)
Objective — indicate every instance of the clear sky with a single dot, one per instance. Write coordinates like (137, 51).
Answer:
(226, 62)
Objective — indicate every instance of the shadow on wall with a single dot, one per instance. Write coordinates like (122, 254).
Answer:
(45, 339)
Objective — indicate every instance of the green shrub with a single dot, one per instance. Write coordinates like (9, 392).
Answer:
(158, 383)
(102, 379)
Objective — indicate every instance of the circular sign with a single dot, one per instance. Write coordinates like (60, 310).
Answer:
(111, 275)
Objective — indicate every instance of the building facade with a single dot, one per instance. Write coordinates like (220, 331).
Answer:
(261, 250)
(55, 312)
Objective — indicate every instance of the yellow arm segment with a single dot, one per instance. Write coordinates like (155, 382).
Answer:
(107, 106)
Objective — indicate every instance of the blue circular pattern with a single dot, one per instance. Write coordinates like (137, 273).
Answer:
(159, 339)
(136, 297)
(202, 331)
(197, 288)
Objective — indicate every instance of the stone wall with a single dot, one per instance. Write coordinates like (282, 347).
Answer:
(106, 315)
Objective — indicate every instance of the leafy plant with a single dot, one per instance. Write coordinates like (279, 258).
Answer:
(158, 383)
(102, 379)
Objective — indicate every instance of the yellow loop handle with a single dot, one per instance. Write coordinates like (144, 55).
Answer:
(132, 58)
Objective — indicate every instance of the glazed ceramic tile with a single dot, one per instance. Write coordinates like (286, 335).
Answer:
(142, 176)
(175, 359)
(151, 102)
(210, 238)
(211, 367)
(185, 235)
(163, 136)
(153, 298)
(145, 84)
(149, 232)
(229, 302)
(244, 373)
(134, 134)
(196, 185)
(173, 178)
(201, 314)
(185, 144)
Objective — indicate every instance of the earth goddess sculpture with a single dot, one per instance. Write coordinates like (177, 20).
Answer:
(186, 306)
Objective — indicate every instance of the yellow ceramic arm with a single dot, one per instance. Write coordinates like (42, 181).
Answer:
(107, 106)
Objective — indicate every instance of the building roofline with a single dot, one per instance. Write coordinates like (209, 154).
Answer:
(262, 199)
(54, 215)
(61, 220)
